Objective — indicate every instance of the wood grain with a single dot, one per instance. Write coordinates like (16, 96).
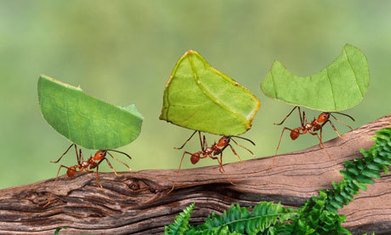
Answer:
(137, 202)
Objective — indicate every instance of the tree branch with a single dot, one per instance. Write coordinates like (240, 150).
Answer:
(137, 202)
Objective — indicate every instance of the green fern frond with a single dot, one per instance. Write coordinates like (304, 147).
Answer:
(319, 215)
(240, 220)
(360, 172)
(58, 229)
(181, 222)
(314, 218)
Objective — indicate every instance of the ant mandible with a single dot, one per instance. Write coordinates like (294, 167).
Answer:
(311, 128)
(92, 163)
(212, 151)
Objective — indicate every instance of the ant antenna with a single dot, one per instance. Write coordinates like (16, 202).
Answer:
(336, 119)
(119, 160)
(252, 142)
(242, 147)
(113, 150)
(346, 115)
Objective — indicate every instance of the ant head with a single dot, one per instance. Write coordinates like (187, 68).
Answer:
(323, 117)
(224, 141)
(99, 155)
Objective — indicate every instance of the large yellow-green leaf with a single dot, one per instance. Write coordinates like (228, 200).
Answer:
(84, 120)
(339, 86)
(199, 97)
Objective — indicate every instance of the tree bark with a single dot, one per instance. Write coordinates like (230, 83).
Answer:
(137, 202)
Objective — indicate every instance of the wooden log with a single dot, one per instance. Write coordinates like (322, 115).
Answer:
(137, 202)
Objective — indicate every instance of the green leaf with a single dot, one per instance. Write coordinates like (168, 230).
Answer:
(181, 222)
(58, 229)
(199, 97)
(365, 180)
(339, 86)
(371, 173)
(84, 120)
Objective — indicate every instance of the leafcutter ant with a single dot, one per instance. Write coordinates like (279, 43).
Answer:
(88, 166)
(214, 152)
(311, 128)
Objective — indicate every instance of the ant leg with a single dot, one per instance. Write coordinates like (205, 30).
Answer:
(336, 119)
(283, 120)
(205, 156)
(220, 161)
(335, 129)
(97, 176)
(242, 147)
(215, 158)
(183, 145)
(321, 138)
(221, 168)
(54, 185)
(278, 146)
(108, 163)
(176, 177)
(81, 159)
(304, 120)
(119, 160)
(204, 144)
(66, 151)
(233, 150)
(321, 145)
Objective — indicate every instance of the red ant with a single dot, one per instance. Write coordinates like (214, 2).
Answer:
(316, 125)
(212, 151)
(92, 163)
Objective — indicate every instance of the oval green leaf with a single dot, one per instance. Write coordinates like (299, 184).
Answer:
(84, 120)
(199, 97)
(339, 86)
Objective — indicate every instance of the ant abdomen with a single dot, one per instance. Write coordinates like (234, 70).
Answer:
(294, 134)
(194, 159)
(71, 172)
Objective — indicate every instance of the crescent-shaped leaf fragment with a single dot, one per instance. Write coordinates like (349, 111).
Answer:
(199, 97)
(84, 120)
(339, 86)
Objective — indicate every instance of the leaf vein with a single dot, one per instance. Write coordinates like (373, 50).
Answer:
(354, 72)
(331, 86)
(274, 84)
(213, 98)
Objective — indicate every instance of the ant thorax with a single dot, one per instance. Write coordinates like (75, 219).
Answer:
(85, 164)
(308, 126)
(208, 151)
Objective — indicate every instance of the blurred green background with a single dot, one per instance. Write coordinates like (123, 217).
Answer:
(124, 51)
